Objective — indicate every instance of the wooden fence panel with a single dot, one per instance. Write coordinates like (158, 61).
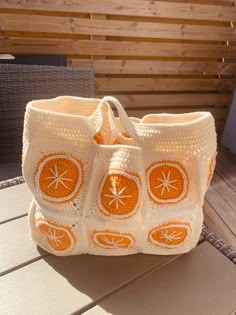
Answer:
(169, 55)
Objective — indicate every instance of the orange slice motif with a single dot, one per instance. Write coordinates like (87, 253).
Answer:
(119, 194)
(169, 235)
(112, 240)
(59, 178)
(167, 182)
(60, 238)
(211, 170)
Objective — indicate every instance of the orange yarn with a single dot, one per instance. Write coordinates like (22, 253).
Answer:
(59, 237)
(167, 182)
(119, 194)
(59, 177)
(169, 234)
(98, 138)
(211, 169)
(112, 240)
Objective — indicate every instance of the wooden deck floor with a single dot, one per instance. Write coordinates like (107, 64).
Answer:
(220, 200)
(33, 281)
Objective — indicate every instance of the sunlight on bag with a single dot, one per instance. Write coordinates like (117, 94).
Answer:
(109, 185)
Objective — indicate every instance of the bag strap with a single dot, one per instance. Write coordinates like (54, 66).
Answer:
(124, 119)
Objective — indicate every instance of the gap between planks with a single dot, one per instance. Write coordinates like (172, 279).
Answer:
(26, 263)
(14, 218)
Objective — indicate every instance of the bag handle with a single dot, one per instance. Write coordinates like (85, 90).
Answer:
(124, 119)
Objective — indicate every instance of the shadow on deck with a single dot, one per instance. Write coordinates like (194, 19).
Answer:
(220, 199)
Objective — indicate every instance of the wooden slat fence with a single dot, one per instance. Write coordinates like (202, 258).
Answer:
(155, 56)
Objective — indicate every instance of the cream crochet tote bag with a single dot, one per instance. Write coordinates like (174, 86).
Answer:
(115, 186)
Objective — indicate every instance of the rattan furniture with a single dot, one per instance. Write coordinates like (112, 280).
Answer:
(20, 84)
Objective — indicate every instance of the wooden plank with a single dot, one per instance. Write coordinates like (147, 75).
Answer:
(224, 190)
(160, 9)
(72, 25)
(63, 285)
(174, 100)
(162, 84)
(229, 3)
(156, 67)
(226, 168)
(189, 21)
(216, 225)
(222, 207)
(227, 173)
(15, 202)
(112, 48)
(16, 247)
(78, 5)
(201, 282)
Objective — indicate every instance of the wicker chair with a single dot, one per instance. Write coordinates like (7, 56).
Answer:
(20, 84)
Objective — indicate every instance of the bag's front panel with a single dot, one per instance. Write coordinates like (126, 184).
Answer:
(115, 204)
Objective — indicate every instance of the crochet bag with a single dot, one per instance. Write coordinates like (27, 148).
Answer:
(115, 186)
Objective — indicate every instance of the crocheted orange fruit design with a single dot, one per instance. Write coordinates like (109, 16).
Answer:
(59, 177)
(211, 170)
(112, 240)
(119, 194)
(59, 237)
(167, 182)
(170, 234)
(98, 138)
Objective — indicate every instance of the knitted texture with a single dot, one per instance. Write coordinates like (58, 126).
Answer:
(115, 186)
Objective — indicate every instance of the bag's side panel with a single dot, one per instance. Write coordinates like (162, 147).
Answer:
(57, 168)
(176, 175)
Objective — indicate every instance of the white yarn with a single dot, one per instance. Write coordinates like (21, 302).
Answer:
(115, 186)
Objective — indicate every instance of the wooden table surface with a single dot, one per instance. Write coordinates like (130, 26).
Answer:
(202, 282)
